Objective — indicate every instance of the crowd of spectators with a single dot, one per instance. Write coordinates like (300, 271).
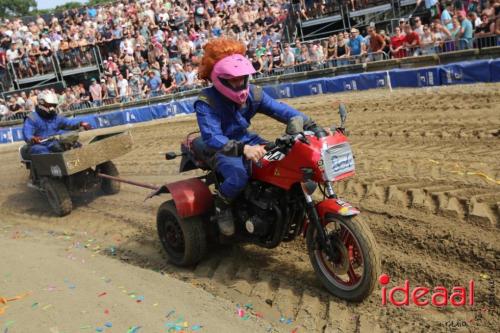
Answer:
(153, 47)
(150, 47)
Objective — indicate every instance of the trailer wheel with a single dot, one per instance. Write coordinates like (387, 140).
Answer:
(184, 240)
(58, 196)
(109, 186)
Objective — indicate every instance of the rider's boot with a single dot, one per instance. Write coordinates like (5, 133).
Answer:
(224, 215)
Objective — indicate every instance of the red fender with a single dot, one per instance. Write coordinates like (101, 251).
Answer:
(191, 196)
(335, 207)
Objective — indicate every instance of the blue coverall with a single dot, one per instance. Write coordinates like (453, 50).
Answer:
(223, 124)
(35, 125)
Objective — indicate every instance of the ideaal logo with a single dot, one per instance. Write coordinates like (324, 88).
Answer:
(422, 296)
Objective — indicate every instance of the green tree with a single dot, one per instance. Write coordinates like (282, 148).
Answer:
(16, 7)
(98, 2)
(68, 5)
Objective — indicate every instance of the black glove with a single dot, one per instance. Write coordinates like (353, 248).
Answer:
(310, 125)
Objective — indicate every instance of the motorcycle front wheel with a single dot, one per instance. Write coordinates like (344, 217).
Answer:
(351, 274)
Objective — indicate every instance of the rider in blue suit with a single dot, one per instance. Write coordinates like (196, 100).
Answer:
(45, 122)
(224, 112)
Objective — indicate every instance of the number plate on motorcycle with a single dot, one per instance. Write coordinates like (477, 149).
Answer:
(338, 160)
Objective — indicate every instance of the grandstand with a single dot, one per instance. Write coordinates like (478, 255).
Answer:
(117, 53)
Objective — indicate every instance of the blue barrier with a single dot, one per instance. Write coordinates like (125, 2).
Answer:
(420, 77)
(309, 87)
(284, 90)
(342, 83)
(465, 72)
(456, 73)
(5, 135)
(495, 70)
(372, 80)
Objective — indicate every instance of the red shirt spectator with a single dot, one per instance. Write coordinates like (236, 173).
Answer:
(397, 43)
(412, 39)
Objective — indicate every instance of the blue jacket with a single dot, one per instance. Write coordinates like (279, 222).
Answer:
(34, 125)
(220, 120)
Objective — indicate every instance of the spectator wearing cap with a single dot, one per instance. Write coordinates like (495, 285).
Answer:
(357, 45)
(95, 90)
(153, 84)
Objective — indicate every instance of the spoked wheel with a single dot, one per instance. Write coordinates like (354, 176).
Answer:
(351, 273)
(184, 240)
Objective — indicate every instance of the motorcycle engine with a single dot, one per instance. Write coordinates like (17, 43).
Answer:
(259, 216)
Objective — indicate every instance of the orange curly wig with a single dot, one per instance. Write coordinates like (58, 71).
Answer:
(216, 50)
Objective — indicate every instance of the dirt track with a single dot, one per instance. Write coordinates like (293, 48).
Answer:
(427, 161)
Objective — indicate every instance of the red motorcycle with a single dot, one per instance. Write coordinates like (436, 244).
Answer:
(277, 206)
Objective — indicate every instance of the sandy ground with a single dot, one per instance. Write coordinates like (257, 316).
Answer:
(427, 183)
(71, 289)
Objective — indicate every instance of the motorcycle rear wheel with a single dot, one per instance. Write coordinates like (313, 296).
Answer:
(184, 239)
(353, 274)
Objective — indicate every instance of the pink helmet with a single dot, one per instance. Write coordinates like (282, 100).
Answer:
(230, 67)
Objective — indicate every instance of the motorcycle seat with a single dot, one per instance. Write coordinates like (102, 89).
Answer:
(201, 153)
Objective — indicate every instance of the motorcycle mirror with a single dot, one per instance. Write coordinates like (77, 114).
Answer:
(295, 125)
(343, 114)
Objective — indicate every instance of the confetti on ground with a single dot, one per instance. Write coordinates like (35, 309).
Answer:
(134, 329)
(140, 299)
(108, 324)
(295, 330)
(106, 311)
(4, 300)
(46, 307)
(196, 327)
(156, 304)
(34, 305)
(171, 312)
(9, 323)
(102, 294)
(99, 329)
(86, 327)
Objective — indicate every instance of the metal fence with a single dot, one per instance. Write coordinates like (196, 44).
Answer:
(436, 48)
